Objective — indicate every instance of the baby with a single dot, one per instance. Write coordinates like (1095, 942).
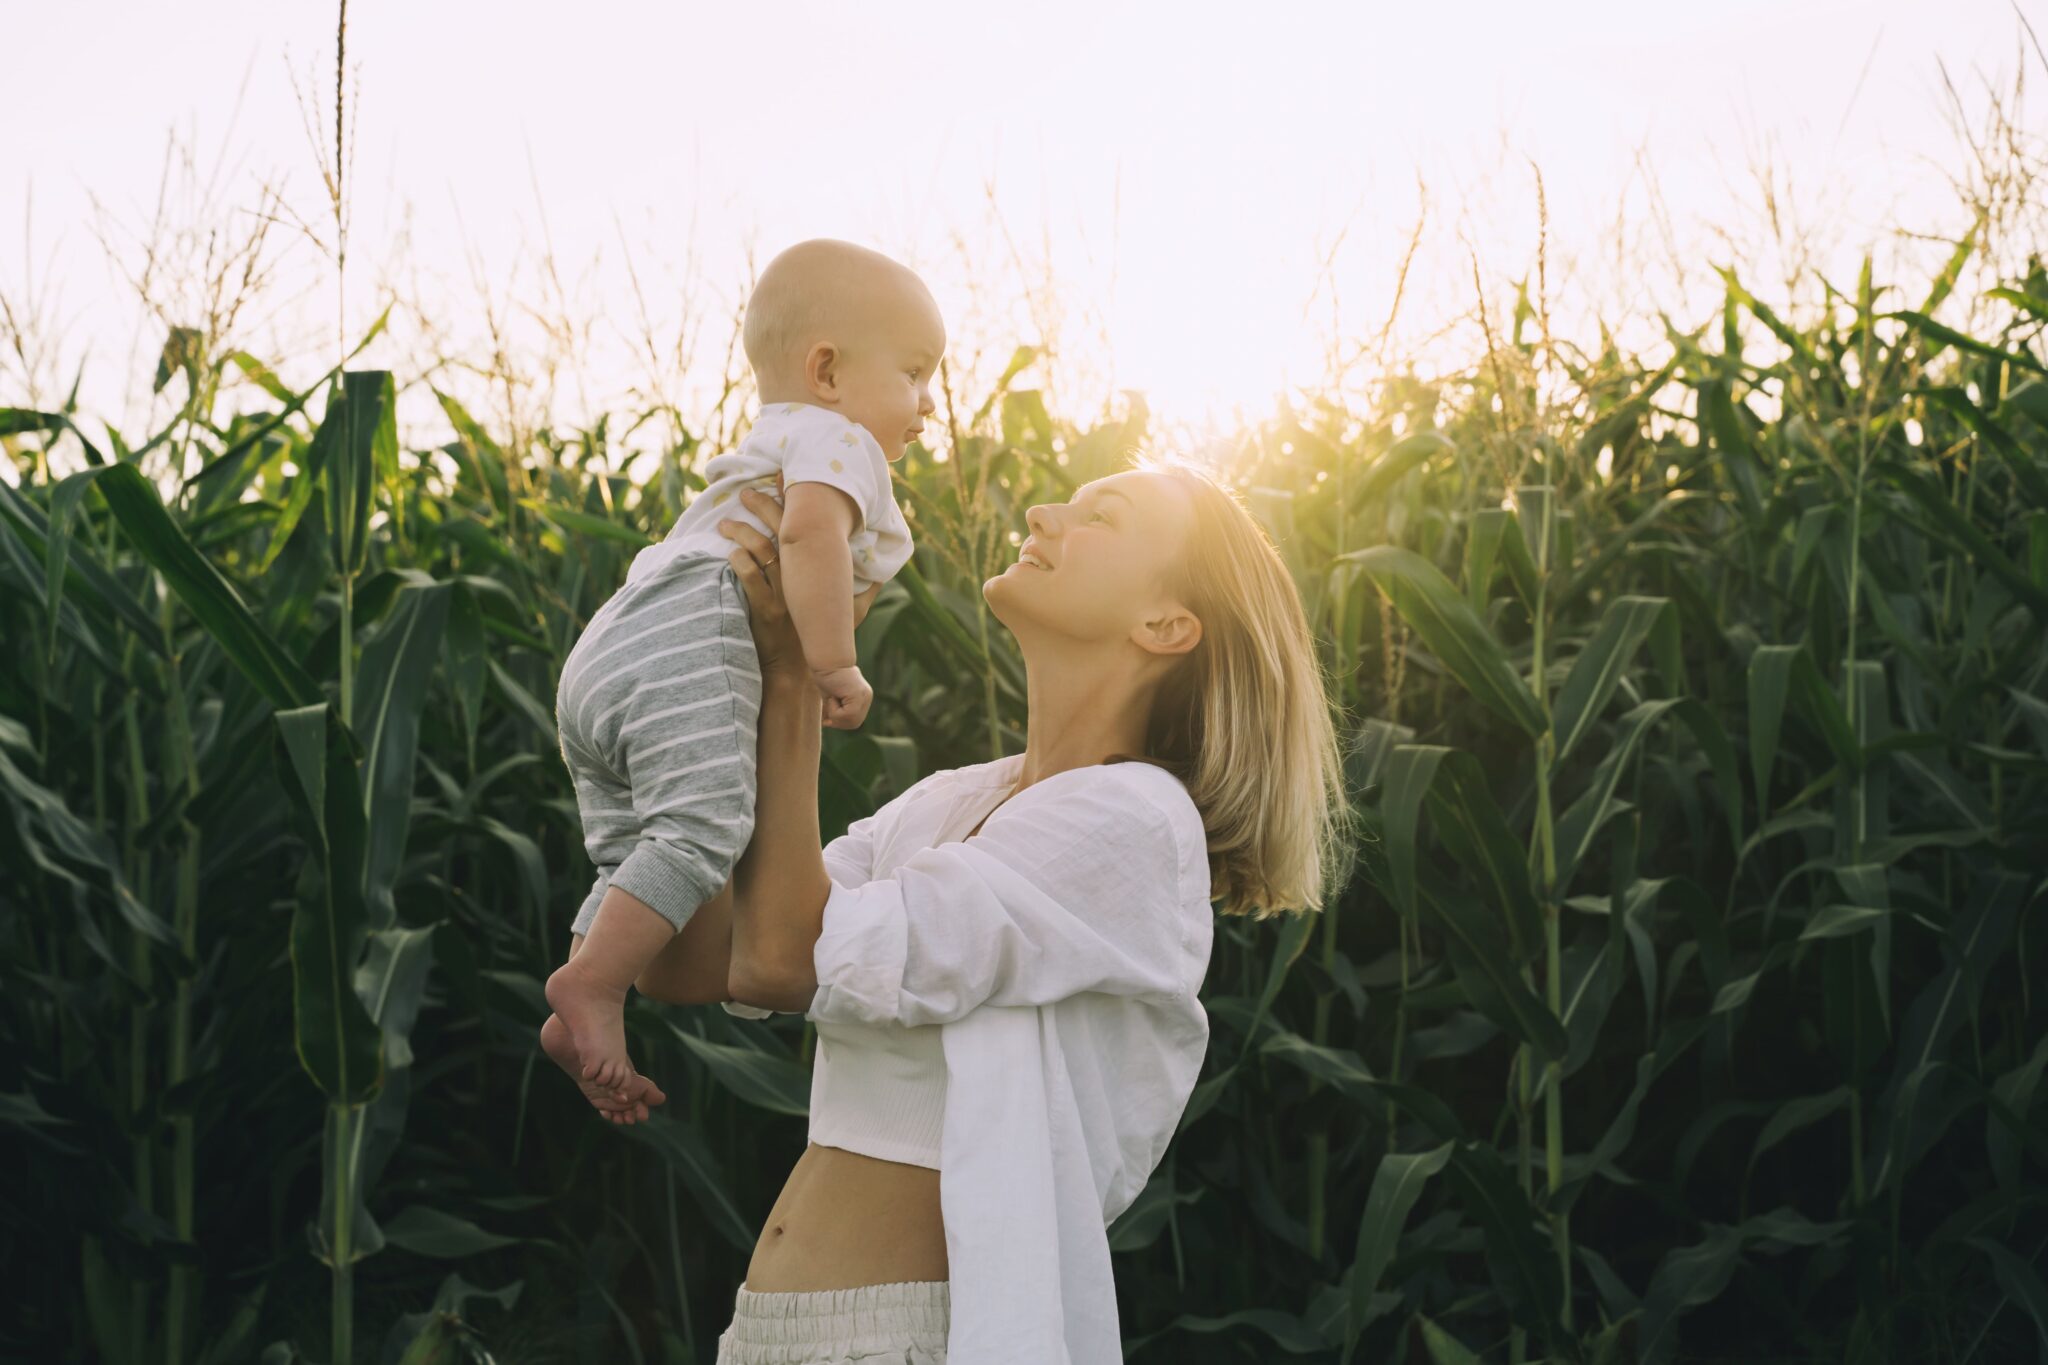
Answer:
(658, 700)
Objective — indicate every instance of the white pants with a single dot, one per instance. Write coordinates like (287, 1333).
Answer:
(902, 1323)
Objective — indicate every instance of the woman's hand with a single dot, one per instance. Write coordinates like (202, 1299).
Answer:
(755, 562)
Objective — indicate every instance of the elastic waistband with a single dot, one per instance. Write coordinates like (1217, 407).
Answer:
(679, 563)
(789, 1327)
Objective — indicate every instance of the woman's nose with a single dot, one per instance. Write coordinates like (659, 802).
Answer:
(1038, 517)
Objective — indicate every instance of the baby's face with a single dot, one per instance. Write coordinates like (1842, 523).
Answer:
(886, 375)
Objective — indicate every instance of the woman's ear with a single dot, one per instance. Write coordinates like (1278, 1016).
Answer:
(1169, 629)
(821, 370)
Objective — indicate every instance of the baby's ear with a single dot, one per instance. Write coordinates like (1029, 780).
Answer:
(821, 369)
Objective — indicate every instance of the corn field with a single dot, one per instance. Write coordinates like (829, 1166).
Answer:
(1678, 1007)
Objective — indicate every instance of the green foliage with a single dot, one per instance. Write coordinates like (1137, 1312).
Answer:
(1680, 1006)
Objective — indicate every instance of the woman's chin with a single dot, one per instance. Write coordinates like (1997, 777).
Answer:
(1000, 592)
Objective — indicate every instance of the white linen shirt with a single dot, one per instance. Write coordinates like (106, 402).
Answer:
(805, 443)
(1061, 950)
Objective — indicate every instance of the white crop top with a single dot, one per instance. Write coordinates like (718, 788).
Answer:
(880, 1088)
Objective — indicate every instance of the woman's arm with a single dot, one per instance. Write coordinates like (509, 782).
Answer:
(780, 883)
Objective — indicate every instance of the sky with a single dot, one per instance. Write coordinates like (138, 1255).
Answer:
(1171, 195)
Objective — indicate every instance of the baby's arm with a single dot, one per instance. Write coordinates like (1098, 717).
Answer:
(817, 583)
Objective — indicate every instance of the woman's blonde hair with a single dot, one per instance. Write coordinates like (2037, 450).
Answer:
(1244, 720)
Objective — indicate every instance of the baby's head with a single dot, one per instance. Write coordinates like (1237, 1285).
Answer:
(848, 329)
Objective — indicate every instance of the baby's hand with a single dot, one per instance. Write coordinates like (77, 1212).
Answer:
(847, 696)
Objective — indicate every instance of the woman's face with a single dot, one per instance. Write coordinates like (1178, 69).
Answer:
(1097, 567)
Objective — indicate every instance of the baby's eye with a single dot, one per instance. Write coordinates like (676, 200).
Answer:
(1099, 516)
(915, 373)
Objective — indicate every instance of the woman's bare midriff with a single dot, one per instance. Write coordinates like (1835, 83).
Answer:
(844, 1220)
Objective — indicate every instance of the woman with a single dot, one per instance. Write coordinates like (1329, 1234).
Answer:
(1003, 961)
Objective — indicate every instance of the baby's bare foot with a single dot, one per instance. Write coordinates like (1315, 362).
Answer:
(595, 1015)
(636, 1094)
(561, 1048)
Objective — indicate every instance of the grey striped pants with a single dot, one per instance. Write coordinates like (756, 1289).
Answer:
(656, 709)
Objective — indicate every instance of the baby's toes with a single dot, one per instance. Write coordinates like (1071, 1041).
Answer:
(638, 1089)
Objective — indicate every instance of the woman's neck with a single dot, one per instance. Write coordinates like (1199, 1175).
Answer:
(1082, 709)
